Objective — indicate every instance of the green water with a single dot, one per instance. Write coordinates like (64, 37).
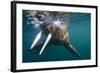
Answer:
(80, 37)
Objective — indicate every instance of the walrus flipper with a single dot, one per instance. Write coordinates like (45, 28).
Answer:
(72, 50)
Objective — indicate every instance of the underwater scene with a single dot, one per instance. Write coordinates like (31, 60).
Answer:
(55, 36)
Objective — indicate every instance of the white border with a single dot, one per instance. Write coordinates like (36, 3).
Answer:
(38, 65)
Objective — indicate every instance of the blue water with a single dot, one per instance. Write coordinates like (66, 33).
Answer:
(79, 34)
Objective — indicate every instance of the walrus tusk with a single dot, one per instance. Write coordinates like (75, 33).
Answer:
(45, 44)
(36, 39)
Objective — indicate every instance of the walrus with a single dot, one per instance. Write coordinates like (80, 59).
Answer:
(54, 31)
